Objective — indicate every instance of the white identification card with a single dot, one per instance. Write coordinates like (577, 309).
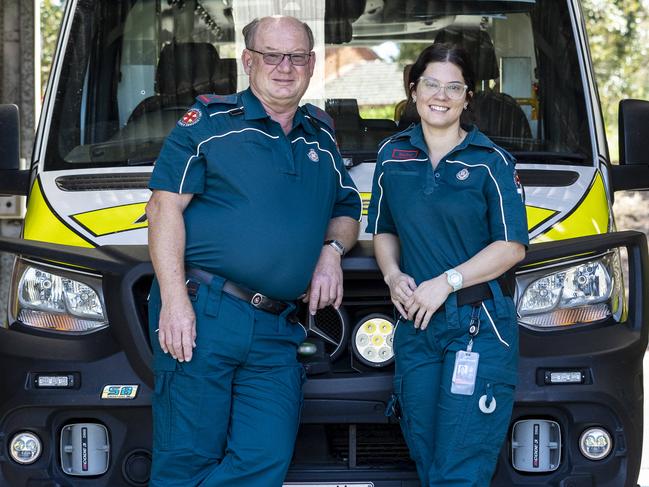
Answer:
(464, 372)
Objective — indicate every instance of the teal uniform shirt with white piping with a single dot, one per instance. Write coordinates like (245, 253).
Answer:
(262, 199)
(449, 214)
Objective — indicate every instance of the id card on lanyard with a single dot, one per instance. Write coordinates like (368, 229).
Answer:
(466, 361)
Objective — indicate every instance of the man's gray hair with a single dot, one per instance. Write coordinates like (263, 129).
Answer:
(250, 30)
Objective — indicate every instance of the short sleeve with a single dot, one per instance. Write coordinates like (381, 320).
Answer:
(180, 167)
(379, 217)
(506, 208)
(348, 199)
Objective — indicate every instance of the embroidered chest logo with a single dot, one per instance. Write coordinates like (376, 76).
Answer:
(462, 174)
(404, 154)
(190, 118)
(313, 155)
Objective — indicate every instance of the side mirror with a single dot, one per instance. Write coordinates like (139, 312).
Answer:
(633, 124)
(13, 180)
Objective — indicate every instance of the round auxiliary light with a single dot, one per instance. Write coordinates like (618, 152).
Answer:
(372, 340)
(595, 443)
(25, 447)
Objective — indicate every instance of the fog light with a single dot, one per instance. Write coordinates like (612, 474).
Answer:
(372, 340)
(25, 447)
(595, 443)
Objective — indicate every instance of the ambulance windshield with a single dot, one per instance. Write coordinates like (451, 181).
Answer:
(132, 67)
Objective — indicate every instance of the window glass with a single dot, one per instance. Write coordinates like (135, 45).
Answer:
(133, 67)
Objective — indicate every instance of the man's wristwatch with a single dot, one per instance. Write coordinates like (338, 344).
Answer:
(454, 279)
(337, 245)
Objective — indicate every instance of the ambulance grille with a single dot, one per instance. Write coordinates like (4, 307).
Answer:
(103, 182)
(377, 445)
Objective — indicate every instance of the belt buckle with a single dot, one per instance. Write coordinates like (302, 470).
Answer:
(257, 299)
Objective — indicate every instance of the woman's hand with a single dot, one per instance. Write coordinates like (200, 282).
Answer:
(427, 299)
(401, 288)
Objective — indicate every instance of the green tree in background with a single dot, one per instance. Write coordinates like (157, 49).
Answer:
(51, 15)
(618, 32)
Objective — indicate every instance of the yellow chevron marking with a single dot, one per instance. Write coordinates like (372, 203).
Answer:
(537, 215)
(589, 218)
(112, 220)
(43, 225)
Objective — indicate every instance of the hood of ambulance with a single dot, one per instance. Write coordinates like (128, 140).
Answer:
(96, 207)
(561, 201)
(89, 207)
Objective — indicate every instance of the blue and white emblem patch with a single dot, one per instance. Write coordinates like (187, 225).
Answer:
(190, 118)
(462, 174)
(313, 155)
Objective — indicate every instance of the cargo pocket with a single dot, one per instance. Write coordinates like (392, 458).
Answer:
(486, 414)
(162, 414)
(394, 409)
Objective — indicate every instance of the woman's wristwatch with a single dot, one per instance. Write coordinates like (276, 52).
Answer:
(454, 279)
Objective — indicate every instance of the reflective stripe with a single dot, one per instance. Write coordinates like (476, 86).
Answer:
(378, 213)
(500, 196)
(404, 160)
(325, 131)
(494, 326)
(198, 149)
(226, 111)
(340, 176)
(501, 155)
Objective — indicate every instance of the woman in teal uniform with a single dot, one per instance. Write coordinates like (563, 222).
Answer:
(449, 221)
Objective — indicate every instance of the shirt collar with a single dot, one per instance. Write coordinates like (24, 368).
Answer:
(252, 107)
(301, 118)
(473, 137)
(254, 110)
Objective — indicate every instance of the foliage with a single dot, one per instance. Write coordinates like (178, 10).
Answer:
(51, 15)
(618, 32)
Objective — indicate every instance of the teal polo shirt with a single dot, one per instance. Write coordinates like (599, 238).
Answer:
(443, 217)
(262, 199)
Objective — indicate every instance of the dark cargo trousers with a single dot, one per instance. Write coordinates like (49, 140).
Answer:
(452, 439)
(229, 417)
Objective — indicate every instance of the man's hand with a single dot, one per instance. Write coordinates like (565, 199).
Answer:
(177, 328)
(426, 299)
(401, 288)
(327, 282)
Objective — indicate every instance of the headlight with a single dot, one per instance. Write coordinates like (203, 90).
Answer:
(53, 298)
(586, 292)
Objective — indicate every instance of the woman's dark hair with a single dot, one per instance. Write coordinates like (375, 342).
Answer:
(442, 52)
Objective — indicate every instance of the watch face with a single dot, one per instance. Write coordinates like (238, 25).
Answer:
(455, 278)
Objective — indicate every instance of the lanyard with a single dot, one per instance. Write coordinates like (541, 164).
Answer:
(474, 325)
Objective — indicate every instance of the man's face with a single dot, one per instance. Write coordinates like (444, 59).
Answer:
(283, 84)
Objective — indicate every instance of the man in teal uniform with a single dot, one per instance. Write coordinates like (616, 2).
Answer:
(443, 217)
(251, 208)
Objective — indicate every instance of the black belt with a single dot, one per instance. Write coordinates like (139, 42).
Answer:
(257, 300)
(481, 292)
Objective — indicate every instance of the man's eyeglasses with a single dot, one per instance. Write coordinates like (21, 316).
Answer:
(275, 58)
(454, 90)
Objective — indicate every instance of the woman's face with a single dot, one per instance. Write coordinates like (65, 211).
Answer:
(434, 105)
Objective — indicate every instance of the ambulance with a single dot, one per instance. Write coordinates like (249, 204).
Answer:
(76, 384)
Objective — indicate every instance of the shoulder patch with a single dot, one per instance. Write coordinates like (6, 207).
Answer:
(320, 114)
(191, 117)
(208, 100)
